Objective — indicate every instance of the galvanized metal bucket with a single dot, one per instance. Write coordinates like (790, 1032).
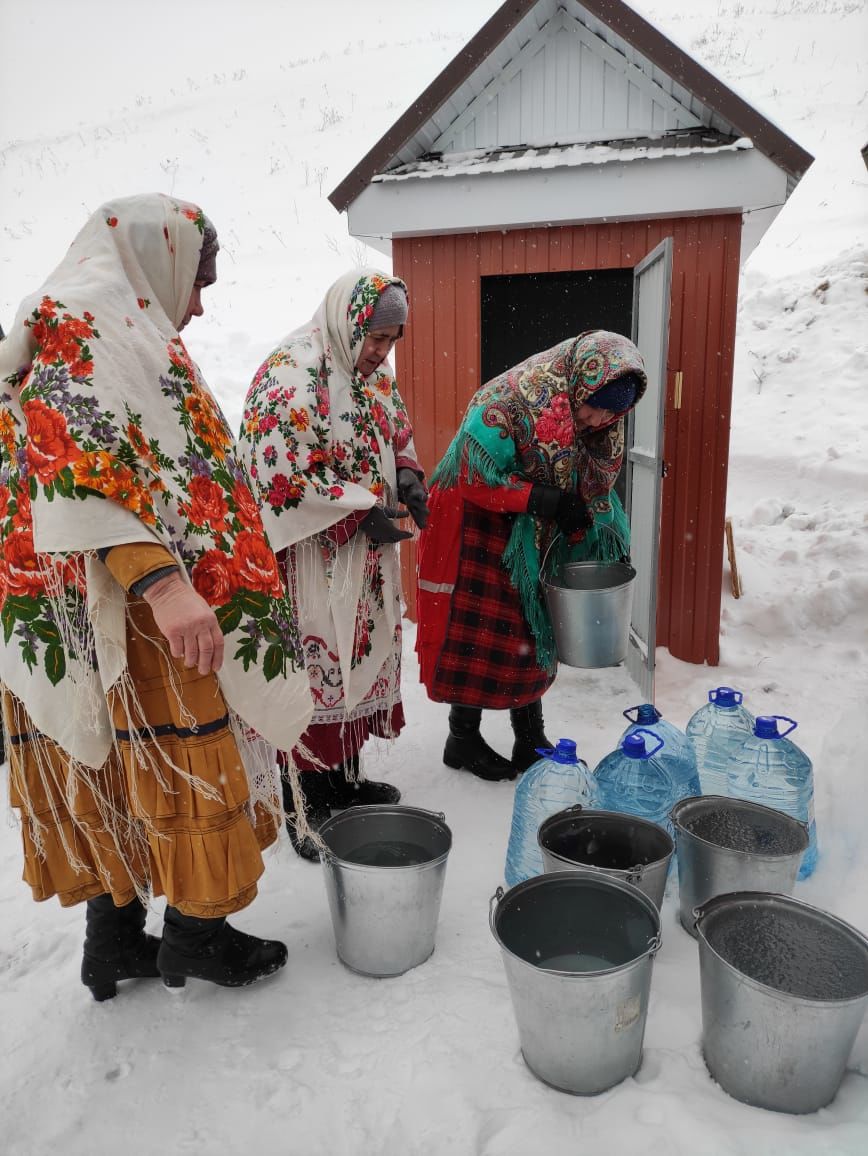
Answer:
(384, 868)
(578, 949)
(784, 991)
(731, 845)
(623, 847)
(590, 604)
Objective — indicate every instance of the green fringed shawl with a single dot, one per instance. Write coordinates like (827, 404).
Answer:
(488, 456)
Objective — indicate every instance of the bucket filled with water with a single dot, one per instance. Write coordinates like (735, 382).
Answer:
(784, 992)
(621, 846)
(590, 604)
(729, 845)
(384, 869)
(578, 949)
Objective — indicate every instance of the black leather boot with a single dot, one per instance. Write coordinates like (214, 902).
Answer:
(317, 808)
(116, 946)
(527, 726)
(344, 792)
(467, 750)
(212, 950)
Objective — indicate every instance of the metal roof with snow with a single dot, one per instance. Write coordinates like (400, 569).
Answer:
(541, 79)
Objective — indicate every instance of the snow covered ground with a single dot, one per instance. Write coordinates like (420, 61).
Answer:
(257, 110)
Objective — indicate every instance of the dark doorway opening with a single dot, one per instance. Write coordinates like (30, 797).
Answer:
(524, 313)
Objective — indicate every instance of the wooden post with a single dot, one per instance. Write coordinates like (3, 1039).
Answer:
(733, 568)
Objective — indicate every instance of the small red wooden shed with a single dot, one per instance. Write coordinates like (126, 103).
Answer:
(572, 169)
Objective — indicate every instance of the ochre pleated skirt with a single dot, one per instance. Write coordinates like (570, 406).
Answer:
(137, 822)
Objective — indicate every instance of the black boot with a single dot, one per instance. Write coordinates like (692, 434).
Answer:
(349, 792)
(527, 726)
(212, 950)
(316, 791)
(116, 946)
(467, 750)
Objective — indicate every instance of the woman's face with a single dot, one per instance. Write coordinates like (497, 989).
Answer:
(589, 417)
(194, 307)
(376, 348)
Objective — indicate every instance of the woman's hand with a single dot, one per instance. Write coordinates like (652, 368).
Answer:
(187, 623)
(568, 510)
(412, 492)
(377, 525)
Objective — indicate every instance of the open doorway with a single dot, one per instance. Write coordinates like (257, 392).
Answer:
(524, 313)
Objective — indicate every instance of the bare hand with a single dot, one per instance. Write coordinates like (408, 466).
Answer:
(187, 623)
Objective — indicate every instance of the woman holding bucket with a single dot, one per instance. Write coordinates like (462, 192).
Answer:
(531, 468)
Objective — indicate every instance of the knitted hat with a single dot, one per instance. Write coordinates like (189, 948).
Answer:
(391, 309)
(617, 396)
(207, 271)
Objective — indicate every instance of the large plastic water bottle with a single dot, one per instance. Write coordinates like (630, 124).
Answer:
(771, 770)
(677, 749)
(635, 780)
(717, 731)
(559, 779)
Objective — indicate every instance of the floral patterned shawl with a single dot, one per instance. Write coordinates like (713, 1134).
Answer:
(108, 434)
(522, 424)
(321, 442)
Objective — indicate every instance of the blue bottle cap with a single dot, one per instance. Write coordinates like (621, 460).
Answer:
(633, 746)
(725, 696)
(766, 726)
(564, 752)
(646, 714)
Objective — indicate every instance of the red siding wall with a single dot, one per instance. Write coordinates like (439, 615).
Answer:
(438, 371)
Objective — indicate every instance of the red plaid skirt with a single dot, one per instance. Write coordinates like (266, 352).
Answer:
(488, 657)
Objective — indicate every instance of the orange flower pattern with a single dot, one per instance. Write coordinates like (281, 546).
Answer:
(199, 502)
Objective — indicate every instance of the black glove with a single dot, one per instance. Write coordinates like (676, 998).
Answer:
(568, 510)
(377, 524)
(412, 492)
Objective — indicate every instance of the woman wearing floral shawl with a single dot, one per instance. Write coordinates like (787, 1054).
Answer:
(330, 449)
(532, 465)
(148, 645)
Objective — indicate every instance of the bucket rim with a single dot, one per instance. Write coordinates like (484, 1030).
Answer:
(767, 898)
(592, 814)
(629, 572)
(352, 813)
(771, 856)
(596, 879)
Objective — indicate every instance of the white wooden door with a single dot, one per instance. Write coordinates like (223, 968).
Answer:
(652, 282)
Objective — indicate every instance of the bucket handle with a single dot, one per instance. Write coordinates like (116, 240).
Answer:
(625, 558)
(654, 944)
(634, 874)
(493, 904)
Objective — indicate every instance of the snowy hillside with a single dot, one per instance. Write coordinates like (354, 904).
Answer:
(257, 110)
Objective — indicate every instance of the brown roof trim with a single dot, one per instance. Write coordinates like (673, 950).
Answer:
(633, 28)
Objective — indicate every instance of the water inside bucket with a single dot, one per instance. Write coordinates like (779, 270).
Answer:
(619, 845)
(794, 952)
(572, 961)
(388, 853)
(741, 831)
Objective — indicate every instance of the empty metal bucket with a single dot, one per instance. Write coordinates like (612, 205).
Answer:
(590, 604)
(621, 846)
(731, 845)
(784, 991)
(577, 949)
(384, 869)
